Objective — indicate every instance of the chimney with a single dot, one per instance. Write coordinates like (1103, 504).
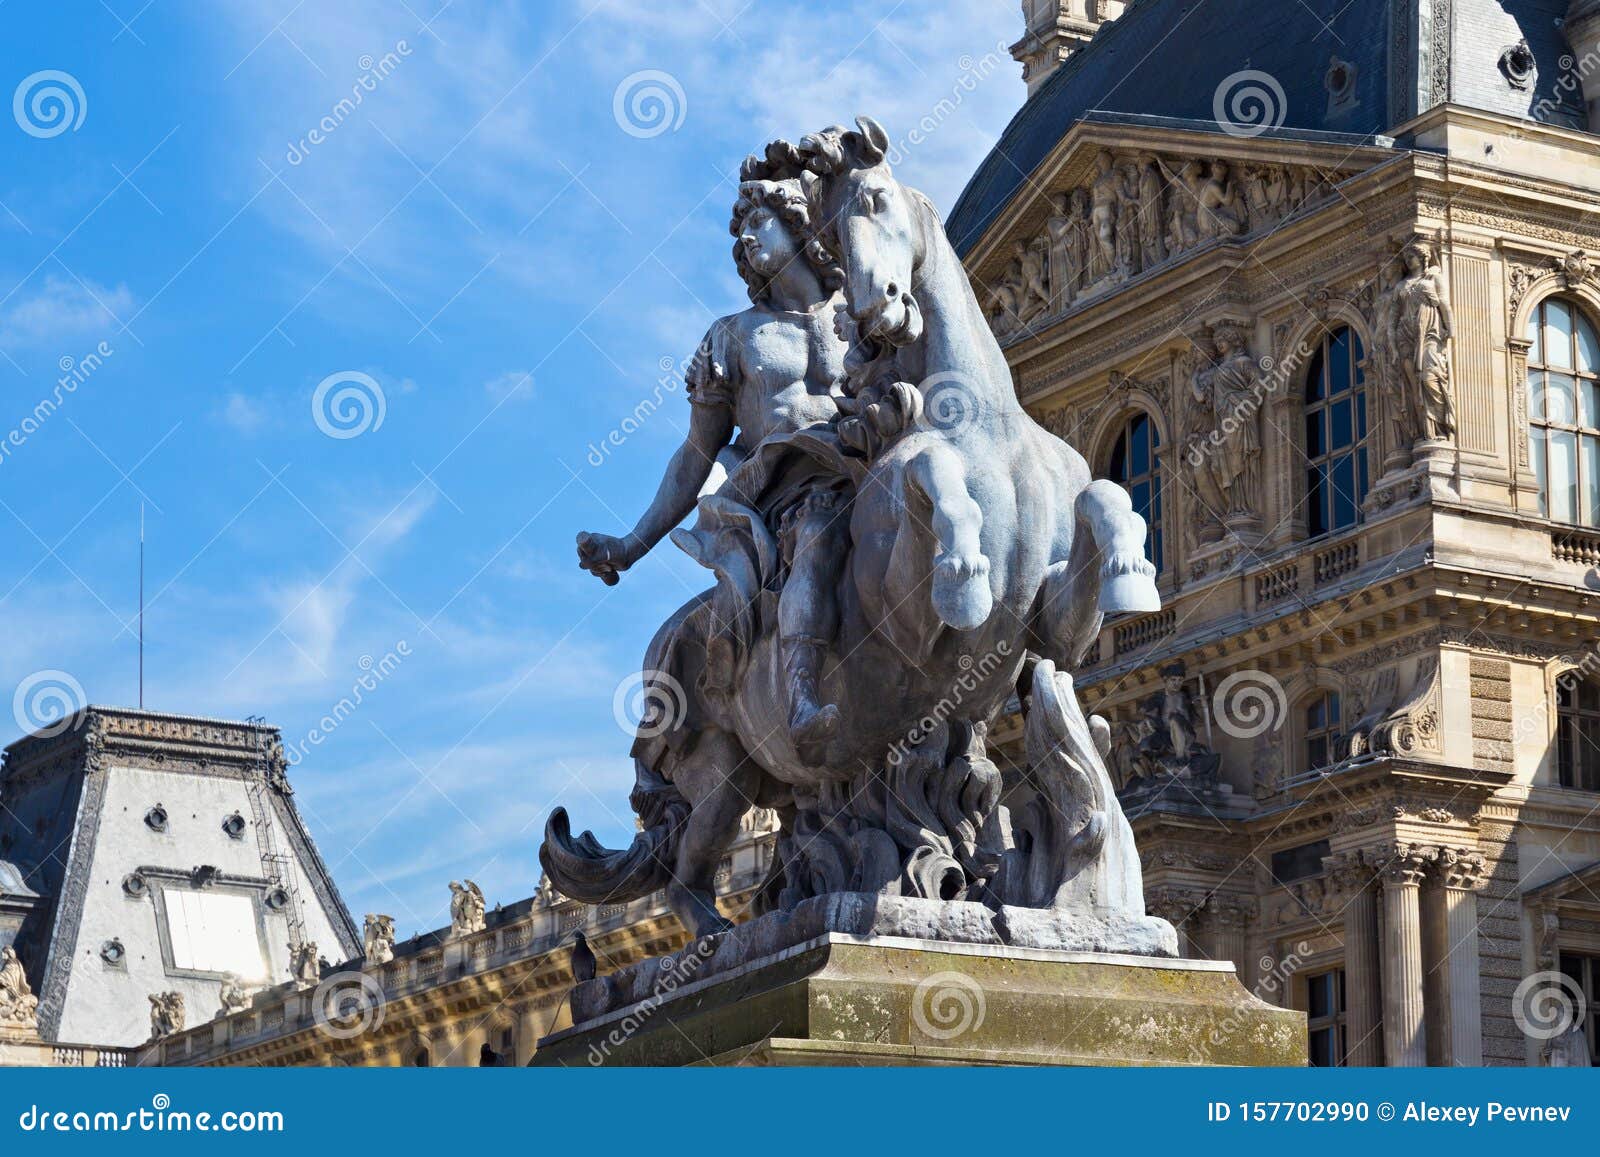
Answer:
(1057, 29)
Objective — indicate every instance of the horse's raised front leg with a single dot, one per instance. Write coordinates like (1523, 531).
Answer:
(1127, 581)
(962, 597)
(722, 780)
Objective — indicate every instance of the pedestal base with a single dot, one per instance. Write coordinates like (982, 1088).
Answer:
(842, 1000)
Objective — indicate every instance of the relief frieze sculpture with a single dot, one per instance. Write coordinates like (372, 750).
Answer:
(898, 549)
(1135, 213)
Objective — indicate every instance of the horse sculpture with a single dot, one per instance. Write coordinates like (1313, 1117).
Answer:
(982, 558)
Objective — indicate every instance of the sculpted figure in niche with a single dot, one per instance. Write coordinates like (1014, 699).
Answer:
(1104, 197)
(1420, 325)
(769, 373)
(1229, 393)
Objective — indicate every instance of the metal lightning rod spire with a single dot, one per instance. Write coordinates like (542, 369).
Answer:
(141, 606)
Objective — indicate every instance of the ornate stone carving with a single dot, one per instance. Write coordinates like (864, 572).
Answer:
(1395, 726)
(1418, 326)
(466, 909)
(1463, 871)
(1405, 863)
(18, 1006)
(1135, 213)
(305, 965)
(378, 938)
(1224, 444)
(235, 997)
(166, 1014)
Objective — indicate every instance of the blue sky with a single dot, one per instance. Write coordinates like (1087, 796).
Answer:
(489, 245)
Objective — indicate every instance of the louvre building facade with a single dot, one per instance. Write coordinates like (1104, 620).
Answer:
(1319, 283)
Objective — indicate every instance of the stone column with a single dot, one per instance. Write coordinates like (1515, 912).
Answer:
(1355, 875)
(1458, 876)
(1405, 1042)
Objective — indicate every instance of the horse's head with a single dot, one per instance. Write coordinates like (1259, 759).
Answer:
(872, 223)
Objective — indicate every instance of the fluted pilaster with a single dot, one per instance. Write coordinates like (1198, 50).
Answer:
(1404, 1028)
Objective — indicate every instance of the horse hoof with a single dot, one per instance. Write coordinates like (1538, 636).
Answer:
(1129, 592)
(961, 595)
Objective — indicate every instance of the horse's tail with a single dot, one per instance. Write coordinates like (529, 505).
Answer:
(585, 870)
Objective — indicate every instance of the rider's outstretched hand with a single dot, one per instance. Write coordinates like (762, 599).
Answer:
(604, 556)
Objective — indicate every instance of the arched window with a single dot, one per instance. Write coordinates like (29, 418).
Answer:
(1336, 433)
(1134, 465)
(421, 1059)
(1578, 732)
(1564, 411)
(1323, 727)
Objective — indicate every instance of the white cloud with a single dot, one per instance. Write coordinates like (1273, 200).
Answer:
(65, 309)
(515, 385)
(244, 414)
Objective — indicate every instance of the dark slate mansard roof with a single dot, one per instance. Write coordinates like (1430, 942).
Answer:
(1167, 58)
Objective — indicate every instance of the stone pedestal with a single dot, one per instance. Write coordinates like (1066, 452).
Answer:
(896, 1001)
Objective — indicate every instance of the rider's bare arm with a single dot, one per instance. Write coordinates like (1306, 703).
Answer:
(711, 427)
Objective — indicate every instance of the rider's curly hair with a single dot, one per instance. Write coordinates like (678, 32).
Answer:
(787, 199)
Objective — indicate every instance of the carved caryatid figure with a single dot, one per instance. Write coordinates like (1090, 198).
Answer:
(761, 377)
(18, 1006)
(1229, 393)
(378, 938)
(466, 908)
(1419, 327)
(1105, 199)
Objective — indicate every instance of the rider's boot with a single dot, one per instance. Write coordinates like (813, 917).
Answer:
(811, 723)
